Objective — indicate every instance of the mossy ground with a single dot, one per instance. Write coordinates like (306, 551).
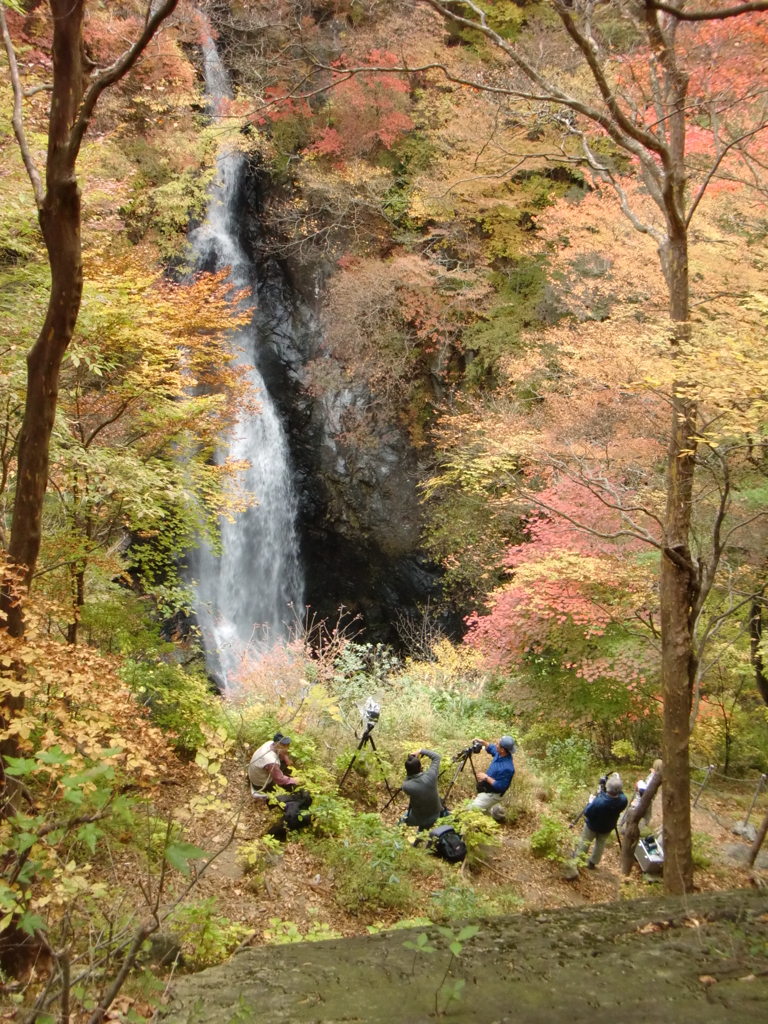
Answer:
(700, 959)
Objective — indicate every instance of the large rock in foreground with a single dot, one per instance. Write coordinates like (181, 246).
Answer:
(701, 959)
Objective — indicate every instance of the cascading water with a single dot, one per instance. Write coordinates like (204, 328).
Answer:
(245, 596)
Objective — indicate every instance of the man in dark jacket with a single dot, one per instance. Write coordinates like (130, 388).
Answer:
(420, 787)
(600, 819)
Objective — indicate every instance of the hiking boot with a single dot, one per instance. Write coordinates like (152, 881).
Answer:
(592, 866)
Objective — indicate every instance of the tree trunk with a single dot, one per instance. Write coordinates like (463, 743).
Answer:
(59, 217)
(78, 600)
(677, 583)
(755, 637)
(632, 831)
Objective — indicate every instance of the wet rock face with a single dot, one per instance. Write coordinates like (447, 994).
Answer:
(359, 506)
(665, 961)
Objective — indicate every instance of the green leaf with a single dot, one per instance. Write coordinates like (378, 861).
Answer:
(446, 932)
(19, 765)
(456, 948)
(458, 988)
(469, 932)
(29, 922)
(24, 841)
(177, 855)
(53, 756)
(88, 834)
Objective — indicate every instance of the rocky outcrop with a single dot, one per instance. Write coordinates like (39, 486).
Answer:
(700, 959)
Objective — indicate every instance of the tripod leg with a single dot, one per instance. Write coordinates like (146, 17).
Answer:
(348, 769)
(458, 772)
(386, 781)
(391, 800)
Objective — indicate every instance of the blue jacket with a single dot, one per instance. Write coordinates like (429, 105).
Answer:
(604, 812)
(500, 770)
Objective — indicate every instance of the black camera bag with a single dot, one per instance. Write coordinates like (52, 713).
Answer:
(485, 787)
(296, 813)
(447, 844)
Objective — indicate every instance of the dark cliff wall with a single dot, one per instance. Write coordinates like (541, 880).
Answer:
(360, 514)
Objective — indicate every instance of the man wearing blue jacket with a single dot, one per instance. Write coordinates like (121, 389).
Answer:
(600, 819)
(494, 783)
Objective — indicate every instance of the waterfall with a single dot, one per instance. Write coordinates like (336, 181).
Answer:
(246, 595)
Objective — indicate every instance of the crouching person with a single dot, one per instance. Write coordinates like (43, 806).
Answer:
(420, 787)
(493, 784)
(600, 819)
(266, 768)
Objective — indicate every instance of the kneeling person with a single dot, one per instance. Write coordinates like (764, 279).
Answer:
(493, 784)
(265, 772)
(420, 787)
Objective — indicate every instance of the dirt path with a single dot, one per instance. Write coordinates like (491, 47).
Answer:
(703, 959)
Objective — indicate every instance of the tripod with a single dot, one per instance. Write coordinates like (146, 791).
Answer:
(366, 738)
(464, 756)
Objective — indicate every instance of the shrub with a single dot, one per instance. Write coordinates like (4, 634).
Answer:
(479, 832)
(333, 816)
(624, 750)
(206, 937)
(459, 902)
(256, 856)
(371, 863)
(569, 761)
(179, 702)
(551, 840)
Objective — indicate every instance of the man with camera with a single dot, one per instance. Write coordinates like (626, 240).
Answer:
(265, 772)
(420, 787)
(494, 783)
(601, 816)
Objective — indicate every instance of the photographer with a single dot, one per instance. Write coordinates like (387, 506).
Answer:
(493, 784)
(265, 772)
(600, 818)
(420, 787)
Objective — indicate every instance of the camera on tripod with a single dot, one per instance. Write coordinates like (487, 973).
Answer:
(474, 748)
(370, 712)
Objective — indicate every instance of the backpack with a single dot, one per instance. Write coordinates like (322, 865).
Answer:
(296, 814)
(447, 844)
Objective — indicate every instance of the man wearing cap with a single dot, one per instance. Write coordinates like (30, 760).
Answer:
(494, 783)
(600, 818)
(264, 771)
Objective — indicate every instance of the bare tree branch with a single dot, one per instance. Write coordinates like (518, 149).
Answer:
(117, 70)
(17, 119)
(716, 164)
(726, 12)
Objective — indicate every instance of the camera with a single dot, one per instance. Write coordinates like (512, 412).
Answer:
(473, 748)
(603, 780)
(370, 713)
